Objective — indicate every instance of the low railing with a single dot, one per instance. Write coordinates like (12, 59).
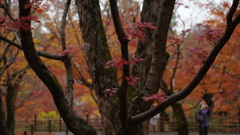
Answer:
(218, 124)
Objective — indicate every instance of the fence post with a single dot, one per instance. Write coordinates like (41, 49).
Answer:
(35, 123)
(25, 133)
(66, 130)
(238, 122)
(32, 129)
(60, 124)
(49, 126)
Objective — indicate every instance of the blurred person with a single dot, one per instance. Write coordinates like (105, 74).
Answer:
(202, 118)
(153, 121)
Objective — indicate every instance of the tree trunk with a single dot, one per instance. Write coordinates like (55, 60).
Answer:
(159, 13)
(208, 97)
(3, 126)
(11, 99)
(163, 118)
(97, 55)
(13, 82)
(149, 14)
(181, 119)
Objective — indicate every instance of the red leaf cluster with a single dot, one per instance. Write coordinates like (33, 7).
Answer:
(137, 30)
(131, 80)
(119, 63)
(210, 34)
(159, 96)
(111, 91)
(72, 49)
(201, 53)
(36, 5)
(175, 40)
(22, 22)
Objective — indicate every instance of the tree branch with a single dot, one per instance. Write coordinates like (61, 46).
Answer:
(232, 11)
(122, 92)
(67, 58)
(41, 53)
(8, 63)
(223, 70)
(190, 87)
(175, 68)
(6, 11)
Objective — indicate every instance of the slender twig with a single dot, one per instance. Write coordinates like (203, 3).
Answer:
(175, 68)
(67, 61)
(4, 53)
(41, 53)
(6, 11)
(36, 7)
(9, 63)
(234, 76)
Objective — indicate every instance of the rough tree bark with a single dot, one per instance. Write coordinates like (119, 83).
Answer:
(13, 81)
(75, 123)
(181, 119)
(97, 55)
(3, 126)
(93, 34)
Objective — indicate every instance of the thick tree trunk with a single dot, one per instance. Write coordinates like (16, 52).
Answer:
(97, 55)
(3, 125)
(141, 70)
(13, 82)
(181, 119)
(11, 99)
(159, 13)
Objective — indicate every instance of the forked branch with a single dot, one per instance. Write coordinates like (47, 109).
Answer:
(201, 73)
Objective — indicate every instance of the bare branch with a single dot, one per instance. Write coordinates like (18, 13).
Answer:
(232, 11)
(41, 53)
(67, 61)
(175, 68)
(122, 92)
(9, 63)
(236, 20)
(4, 53)
(7, 12)
(234, 76)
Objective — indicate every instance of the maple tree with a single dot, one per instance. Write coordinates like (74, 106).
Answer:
(124, 111)
(215, 84)
(221, 81)
(11, 77)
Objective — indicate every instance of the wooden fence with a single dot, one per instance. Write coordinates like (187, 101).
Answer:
(218, 124)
